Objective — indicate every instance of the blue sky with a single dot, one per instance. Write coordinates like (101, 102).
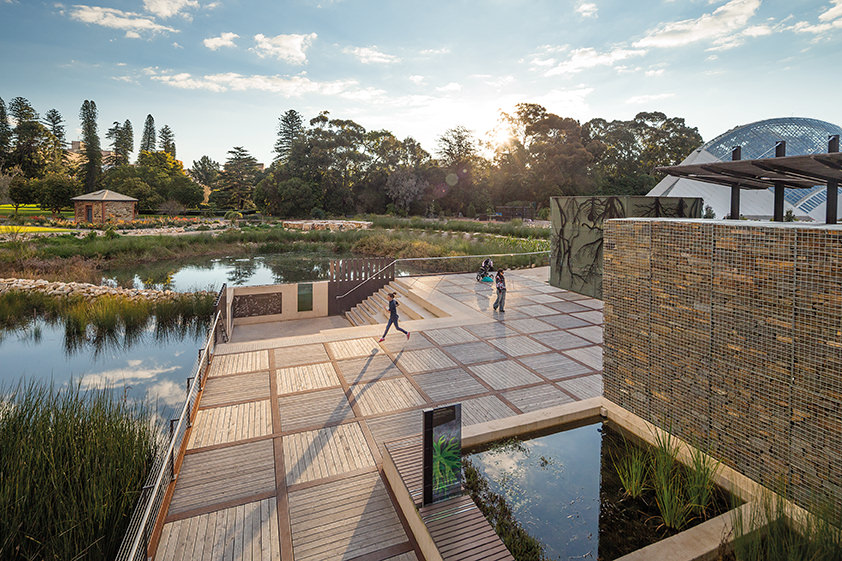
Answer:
(221, 72)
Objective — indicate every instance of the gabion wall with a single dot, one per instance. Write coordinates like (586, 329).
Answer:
(730, 335)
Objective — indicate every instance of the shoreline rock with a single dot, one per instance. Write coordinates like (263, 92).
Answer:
(87, 290)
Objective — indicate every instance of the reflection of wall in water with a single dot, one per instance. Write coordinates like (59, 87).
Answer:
(577, 222)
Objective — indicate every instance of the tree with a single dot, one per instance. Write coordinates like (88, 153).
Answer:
(32, 141)
(205, 171)
(55, 191)
(167, 140)
(405, 186)
(5, 136)
(122, 142)
(292, 197)
(55, 123)
(22, 191)
(237, 180)
(156, 178)
(290, 128)
(147, 141)
(92, 167)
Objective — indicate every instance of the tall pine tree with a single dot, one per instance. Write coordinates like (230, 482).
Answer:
(92, 167)
(147, 141)
(55, 122)
(290, 127)
(5, 135)
(32, 140)
(167, 140)
(122, 142)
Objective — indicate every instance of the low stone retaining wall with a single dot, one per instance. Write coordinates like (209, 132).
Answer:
(333, 225)
(84, 289)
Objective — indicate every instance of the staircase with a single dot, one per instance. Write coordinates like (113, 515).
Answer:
(374, 309)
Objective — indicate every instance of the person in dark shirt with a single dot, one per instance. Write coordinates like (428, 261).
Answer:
(500, 281)
(393, 317)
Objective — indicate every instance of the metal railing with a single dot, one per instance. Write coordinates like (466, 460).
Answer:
(142, 524)
(402, 259)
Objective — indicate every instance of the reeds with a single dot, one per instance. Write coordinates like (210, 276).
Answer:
(72, 465)
(633, 469)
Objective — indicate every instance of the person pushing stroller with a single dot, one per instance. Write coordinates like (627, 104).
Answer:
(486, 267)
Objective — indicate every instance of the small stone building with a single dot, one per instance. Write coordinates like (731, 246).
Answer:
(104, 206)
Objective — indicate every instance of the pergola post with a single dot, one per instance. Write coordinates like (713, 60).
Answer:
(778, 215)
(832, 185)
(736, 154)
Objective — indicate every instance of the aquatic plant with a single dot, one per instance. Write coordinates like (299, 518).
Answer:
(447, 461)
(72, 465)
(632, 468)
(668, 482)
(700, 477)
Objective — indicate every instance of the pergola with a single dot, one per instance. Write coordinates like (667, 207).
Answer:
(779, 173)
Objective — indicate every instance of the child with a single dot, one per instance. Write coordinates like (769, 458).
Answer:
(393, 317)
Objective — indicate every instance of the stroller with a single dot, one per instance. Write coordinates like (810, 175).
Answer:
(486, 267)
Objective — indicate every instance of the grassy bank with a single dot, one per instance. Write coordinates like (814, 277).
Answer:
(70, 258)
(72, 465)
(515, 228)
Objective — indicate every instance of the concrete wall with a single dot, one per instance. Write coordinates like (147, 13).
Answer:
(274, 302)
(730, 334)
(576, 256)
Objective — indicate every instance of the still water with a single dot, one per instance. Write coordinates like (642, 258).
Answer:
(152, 366)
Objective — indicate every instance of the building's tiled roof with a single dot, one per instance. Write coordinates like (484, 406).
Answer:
(103, 195)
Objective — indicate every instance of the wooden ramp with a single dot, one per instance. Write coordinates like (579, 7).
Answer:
(458, 529)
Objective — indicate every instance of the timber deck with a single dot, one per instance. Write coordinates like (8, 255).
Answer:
(284, 456)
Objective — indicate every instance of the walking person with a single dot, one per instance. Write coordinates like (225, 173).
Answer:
(393, 317)
(500, 281)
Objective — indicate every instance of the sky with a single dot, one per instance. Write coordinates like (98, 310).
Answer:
(221, 72)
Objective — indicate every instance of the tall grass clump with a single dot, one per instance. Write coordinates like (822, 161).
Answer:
(700, 480)
(633, 469)
(764, 533)
(668, 482)
(72, 465)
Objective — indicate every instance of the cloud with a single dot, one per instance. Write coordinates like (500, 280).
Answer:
(641, 99)
(288, 86)
(290, 48)
(587, 9)
(117, 19)
(132, 374)
(168, 8)
(584, 58)
(441, 51)
(830, 19)
(832, 13)
(654, 72)
(416, 79)
(224, 40)
(132, 35)
(176, 45)
(452, 87)
(718, 26)
(369, 55)
(495, 81)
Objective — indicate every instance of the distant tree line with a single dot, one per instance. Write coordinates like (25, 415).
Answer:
(331, 166)
(37, 166)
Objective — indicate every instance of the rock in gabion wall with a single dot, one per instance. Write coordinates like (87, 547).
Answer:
(730, 335)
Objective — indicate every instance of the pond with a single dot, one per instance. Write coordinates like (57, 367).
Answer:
(151, 365)
(209, 273)
(563, 492)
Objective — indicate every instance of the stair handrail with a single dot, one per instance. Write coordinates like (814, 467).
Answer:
(434, 259)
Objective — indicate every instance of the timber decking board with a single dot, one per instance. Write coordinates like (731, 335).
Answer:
(561, 340)
(300, 354)
(592, 333)
(398, 344)
(530, 325)
(519, 346)
(367, 369)
(309, 377)
(223, 365)
(504, 374)
(584, 387)
(407, 455)
(218, 476)
(461, 532)
(536, 310)
(489, 330)
(544, 299)
(450, 336)
(220, 425)
(322, 453)
(387, 395)
(343, 519)
(399, 425)
(354, 348)
(593, 316)
(564, 321)
(537, 397)
(248, 532)
(592, 356)
(555, 366)
(471, 353)
(481, 409)
(449, 385)
(313, 409)
(424, 360)
(229, 389)
(410, 556)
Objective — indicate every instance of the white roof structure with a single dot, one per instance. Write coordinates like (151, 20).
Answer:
(757, 140)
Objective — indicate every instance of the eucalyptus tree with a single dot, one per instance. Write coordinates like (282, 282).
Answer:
(205, 171)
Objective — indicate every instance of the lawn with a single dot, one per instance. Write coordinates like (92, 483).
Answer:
(29, 229)
(31, 210)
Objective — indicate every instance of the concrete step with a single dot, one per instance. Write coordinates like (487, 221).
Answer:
(429, 310)
(374, 309)
(352, 316)
(367, 314)
(406, 308)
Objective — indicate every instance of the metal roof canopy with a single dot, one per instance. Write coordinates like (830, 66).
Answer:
(104, 195)
(778, 173)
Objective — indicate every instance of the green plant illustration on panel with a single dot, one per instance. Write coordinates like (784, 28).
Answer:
(447, 461)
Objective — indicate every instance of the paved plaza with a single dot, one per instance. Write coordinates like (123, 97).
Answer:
(284, 457)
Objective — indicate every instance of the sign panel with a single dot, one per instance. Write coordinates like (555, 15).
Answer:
(442, 453)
